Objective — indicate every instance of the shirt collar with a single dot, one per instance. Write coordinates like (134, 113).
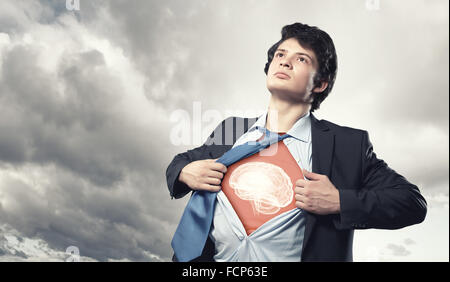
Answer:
(301, 129)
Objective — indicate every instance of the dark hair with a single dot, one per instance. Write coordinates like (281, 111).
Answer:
(311, 37)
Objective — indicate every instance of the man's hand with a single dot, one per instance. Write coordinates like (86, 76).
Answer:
(317, 195)
(203, 175)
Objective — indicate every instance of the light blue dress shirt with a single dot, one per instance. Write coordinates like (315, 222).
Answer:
(280, 238)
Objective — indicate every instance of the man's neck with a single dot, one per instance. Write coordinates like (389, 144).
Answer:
(282, 115)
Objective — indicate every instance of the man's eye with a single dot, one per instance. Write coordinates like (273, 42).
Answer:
(279, 55)
(303, 60)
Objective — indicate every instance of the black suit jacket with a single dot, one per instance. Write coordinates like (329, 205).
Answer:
(372, 195)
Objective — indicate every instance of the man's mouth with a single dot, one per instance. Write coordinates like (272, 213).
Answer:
(282, 75)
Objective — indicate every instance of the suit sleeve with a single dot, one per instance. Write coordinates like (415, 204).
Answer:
(178, 189)
(386, 199)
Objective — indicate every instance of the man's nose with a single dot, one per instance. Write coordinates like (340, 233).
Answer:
(285, 63)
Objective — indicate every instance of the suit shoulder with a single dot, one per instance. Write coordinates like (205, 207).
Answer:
(345, 130)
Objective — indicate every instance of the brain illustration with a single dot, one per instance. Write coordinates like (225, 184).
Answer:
(267, 186)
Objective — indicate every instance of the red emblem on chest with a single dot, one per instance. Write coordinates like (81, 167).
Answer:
(261, 186)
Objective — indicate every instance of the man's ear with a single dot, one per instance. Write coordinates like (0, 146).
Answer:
(323, 85)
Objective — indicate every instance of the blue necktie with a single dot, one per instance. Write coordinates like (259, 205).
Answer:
(193, 229)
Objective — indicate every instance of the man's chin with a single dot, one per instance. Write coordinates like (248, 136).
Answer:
(284, 94)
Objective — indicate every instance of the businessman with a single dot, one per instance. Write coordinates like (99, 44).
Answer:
(301, 198)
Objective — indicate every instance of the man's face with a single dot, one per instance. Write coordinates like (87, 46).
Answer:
(291, 72)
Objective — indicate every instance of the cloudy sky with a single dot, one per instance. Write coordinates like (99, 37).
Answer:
(88, 96)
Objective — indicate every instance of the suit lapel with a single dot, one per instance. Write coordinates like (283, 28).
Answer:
(322, 153)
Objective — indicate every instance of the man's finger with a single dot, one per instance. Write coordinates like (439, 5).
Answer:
(215, 174)
(301, 182)
(299, 190)
(312, 175)
(300, 198)
(211, 188)
(301, 205)
(219, 167)
(213, 181)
